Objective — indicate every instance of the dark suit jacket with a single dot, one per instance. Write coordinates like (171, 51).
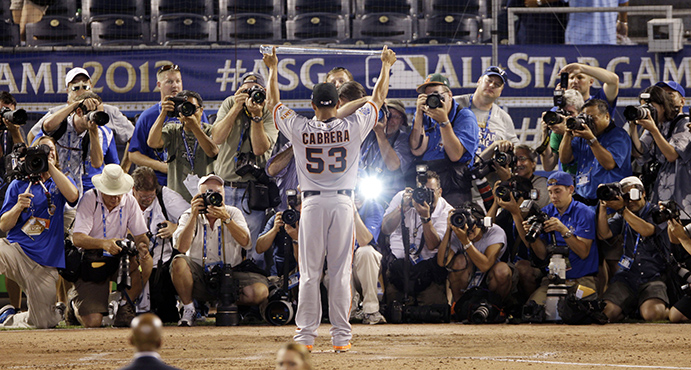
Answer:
(148, 363)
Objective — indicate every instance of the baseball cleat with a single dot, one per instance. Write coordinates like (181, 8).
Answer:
(341, 349)
(309, 347)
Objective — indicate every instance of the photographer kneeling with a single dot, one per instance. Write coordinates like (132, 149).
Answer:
(212, 235)
(476, 249)
(32, 250)
(639, 282)
(105, 216)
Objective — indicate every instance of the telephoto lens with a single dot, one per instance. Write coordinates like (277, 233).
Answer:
(610, 191)
(227, 311)
(98, 117)
(552, 118)
(459, 218)
(434, 100)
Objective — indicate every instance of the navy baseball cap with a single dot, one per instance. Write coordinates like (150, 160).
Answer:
(431, 80)
(254, 77)
(672, 85)
(495, 71)
(560, 178)
(325, 94)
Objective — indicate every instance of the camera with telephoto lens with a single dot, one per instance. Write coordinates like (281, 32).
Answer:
(504, 159)
(638, 112)
(256, 93)
(670, 212)
(537, 224)
(558, 95)
(182, 106)
(482, 168)
(16, 117)
(608, 192)
(422, 193)
(555, 117)
(461, 217)
(211, 198)
(434, 100)
(579, 122)
(291, 216)
(247, 164)
(279, 309)
(27, 163)
(96, 116)
(123, 278)
(685, 276)
(221, 284)
(506, 188)
(481, 312)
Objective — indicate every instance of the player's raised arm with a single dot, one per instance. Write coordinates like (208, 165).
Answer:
(381, 89)
(273, 95)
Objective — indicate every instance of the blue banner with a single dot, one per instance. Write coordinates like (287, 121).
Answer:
(130, 76)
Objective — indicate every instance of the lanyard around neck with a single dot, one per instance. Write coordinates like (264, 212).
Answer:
(221, 246)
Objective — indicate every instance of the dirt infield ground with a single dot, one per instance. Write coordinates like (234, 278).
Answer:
(445, 346)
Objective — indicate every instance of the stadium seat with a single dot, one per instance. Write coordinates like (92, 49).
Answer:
(230, 7)
(383, 27)
(188, 29)
(246, 28)
(103, 9)
(172, 8)
(450, 28)
(364, 7)
(464, 7)
(119, 30)
(62, 8)
(9, 34)
(56, 31)
(317, 27)
(298, 7)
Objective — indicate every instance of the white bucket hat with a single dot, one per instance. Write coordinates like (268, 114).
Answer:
(113, 181)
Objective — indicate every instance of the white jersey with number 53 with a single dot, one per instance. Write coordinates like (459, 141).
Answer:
(326, 153)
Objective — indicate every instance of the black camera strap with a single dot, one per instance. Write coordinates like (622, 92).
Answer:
(159, 196)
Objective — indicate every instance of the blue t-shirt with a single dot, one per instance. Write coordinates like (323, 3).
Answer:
(464, 126)
(141, 134)
(590, 172)
(580, 219)
(372, 215)
(278, 249)
(47, 248)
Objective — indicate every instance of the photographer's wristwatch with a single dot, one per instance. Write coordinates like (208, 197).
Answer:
(567, 235)
(592, 141)
(227, 220)
(257, 119)
(425, 219)
(443, 124)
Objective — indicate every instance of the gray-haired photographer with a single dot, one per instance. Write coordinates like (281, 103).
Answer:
(105, 217)
(34, 246)
(211, 235)
(642, 244)
(661, 146)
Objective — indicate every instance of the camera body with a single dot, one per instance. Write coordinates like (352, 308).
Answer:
(434, 100)
(461, 217)
(506, 188)
(558, 95)
(211, 198)
(182, 106)
(247, 164)
(291, 215)
(256, 93)
(555, 117)
(537, 224)
(27, 163)
(636, 112)
(610, 191)
(16, 117)
(97, 117)
(579, 122)
(671, 212)
(128, 249)
(279, 309)
(422, 193)
(504, 159)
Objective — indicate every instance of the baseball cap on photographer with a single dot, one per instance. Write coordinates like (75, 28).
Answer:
(495, 71)
(431, 80)
(672, 85)
(206, 178)
(631, 181)
(74, 72)
(258, 79)
(325, 94)
(560, 178)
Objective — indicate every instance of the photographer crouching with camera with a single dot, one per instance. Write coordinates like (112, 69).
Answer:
(105, 216)
(661, 146)
(566, 225)
(639, 282)
(32, 217)
(678, 234)
(212, 235)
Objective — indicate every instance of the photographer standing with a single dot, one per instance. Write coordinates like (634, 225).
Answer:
(573, 225)
(32, 250)
(211, 234)
(639, 283)
(664, 144)
(245, 133)
(105, 216)
(475, 251)
(183, 142)
(553, 132)
(602, 150)
(445, 135)
(84, 146)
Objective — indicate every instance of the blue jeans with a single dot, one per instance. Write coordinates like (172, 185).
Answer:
(255, 221)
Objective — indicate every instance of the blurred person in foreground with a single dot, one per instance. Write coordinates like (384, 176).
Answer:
(147, 337)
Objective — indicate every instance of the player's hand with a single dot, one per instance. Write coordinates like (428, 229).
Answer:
(110, 246)
(278, 221)
(554, 224)
(271, 60)
(388, 56)
(24, 199)
(167, 232)
(293, 231)
(220, 213)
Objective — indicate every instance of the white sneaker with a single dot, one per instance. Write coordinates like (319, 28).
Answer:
(187, 317)
(374, 318)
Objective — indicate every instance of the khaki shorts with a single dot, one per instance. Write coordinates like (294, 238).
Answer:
(89, 297)
(619, 293)
(199, 289)
(540, 295)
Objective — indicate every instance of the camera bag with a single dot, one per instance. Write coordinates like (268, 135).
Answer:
(96, 267)
(73, 262)
(582, 311)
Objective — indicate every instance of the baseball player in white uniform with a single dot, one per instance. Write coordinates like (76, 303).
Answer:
(327, 152)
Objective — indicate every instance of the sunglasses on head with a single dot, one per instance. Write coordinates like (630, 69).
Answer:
(496, 70)
(169, 67)
(77, 87)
